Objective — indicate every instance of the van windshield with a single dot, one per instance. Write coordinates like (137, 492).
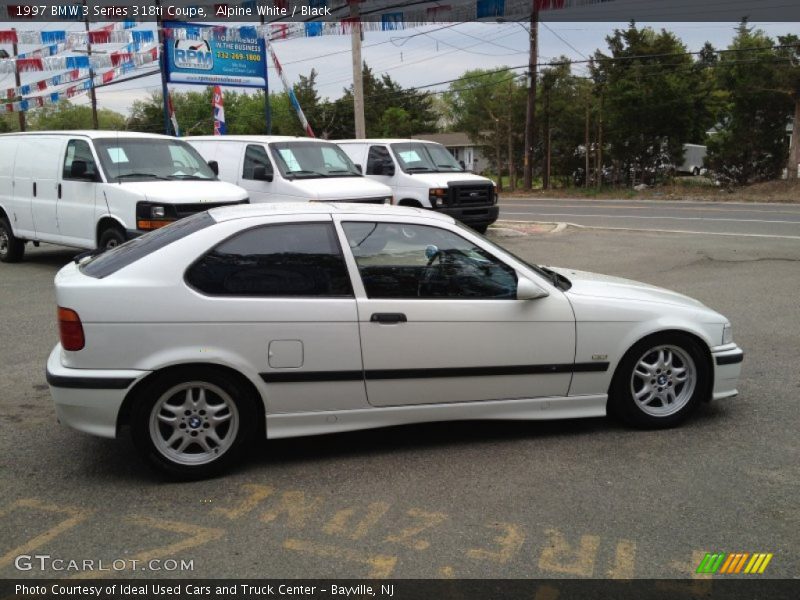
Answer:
(310, 160)
(425, 158)
(150, 159)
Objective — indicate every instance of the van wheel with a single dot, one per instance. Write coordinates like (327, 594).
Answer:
(696, 171)
(12, 249)
(480, 228)
(193, 423)
(111, 238)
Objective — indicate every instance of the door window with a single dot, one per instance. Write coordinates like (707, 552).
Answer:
(295, 260)
(378, 160)
(255, 156)
(418, 261)
(79, 151)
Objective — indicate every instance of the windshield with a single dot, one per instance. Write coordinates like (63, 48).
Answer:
(425, 158)
(310, 160)
(150, 159)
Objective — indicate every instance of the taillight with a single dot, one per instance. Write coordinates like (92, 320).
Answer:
(70, 329)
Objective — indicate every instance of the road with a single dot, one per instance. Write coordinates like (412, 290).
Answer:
(577, 499)
(715, 218)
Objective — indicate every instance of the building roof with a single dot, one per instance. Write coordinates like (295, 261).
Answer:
(456, 138)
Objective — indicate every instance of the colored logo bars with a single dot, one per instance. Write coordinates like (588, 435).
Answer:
(734, 564)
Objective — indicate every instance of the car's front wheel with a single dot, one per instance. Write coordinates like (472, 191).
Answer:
(193, 424)
(660, 381)
(11, 248)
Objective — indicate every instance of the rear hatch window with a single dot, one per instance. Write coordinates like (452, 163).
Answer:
(128, 253)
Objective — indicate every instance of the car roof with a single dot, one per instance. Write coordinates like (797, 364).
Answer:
(268, 209)
(264, 139)
(384, 141)
(96, 134)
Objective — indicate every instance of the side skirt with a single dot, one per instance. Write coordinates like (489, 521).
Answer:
(336, 421)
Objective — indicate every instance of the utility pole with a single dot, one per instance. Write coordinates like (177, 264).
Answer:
(358, 74)
(92, 91)
(21, 114)
(267, 106)
(530, 110)
(512, 168)
(794, 154)
(600, 169)
(162, 42)
(586, 141)
(546, 175)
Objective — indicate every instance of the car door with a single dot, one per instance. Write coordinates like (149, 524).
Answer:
(257, 175)
(77, 189)
(37, 164)
(440, 322)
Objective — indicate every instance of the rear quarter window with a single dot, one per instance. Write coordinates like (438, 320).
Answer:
(113, 260)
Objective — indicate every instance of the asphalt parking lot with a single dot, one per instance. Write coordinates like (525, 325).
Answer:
(550, 499)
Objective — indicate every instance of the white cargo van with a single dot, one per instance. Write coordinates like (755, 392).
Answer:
(425, 174)
(694, 157)
(289, 169)
(96, 189)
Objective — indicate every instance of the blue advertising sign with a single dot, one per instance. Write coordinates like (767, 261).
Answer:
(214, 62)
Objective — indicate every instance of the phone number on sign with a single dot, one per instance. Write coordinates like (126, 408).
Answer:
(114, 12)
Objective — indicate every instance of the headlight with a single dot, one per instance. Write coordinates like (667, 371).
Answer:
(727, 334)
(437, 196)
(157, 212)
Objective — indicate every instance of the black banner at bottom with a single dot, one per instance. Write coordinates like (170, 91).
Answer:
(402, 589)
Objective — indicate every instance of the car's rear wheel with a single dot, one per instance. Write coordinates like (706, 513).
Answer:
(660, 381)
(111, 238)
(12, 249)
(193, 424)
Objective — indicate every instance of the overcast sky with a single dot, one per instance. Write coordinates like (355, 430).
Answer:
(420, 56)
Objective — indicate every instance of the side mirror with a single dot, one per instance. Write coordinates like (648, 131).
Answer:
(214, 166)
(388, 169)
(358, 168)
(260, 174)
(79, 170)
(528, 290)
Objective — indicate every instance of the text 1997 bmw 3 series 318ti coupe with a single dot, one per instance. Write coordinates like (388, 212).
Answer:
(302, 319)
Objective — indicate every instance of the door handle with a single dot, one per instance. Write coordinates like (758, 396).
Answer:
(59, 191)
(388, 318)
(34, 189)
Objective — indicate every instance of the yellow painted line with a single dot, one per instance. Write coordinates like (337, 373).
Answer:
(381, 566)
(509, 541)
(340, 522)
(754, 560)
(76, 516)
(297, 508)
(764, 564)
(561, 557)
(624, 560)
(197, 536)
(257, 494)
(426, 520)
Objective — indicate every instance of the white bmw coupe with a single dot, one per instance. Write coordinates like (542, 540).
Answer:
(300, 319)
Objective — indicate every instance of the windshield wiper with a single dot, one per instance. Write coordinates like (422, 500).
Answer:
(188, 177)
(126, 175)
(344, 171)
(426, 169)
(306, 172)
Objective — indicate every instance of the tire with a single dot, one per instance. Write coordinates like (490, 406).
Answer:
(12, 249)
(696, 171)
(481, 228)
(172, 407)
(660, 381)
(111, 238)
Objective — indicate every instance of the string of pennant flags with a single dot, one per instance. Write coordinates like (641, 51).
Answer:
(135, 60)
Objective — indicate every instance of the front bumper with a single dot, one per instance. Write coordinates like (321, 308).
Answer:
(472, 215)
(88, 400)
(727, 364)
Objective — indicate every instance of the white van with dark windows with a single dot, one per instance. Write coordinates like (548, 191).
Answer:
(425, 174)
(289, 169)
(97, 189)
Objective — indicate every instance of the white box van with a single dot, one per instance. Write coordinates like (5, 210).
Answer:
(694, 157)
(96, 189)
(289, 169)
(425, 174)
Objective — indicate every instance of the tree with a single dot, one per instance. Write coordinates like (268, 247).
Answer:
(751, 141)
(651, 101)
(66, 115)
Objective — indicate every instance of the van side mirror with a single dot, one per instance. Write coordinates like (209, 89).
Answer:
(214, 166)
(260, 174)
(78, 170)
(359, 169)
(384, 168)
(528, 290)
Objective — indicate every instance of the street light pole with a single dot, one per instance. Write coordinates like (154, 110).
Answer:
(530, 109)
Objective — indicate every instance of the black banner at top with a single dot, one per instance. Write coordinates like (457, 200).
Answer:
(396, 14)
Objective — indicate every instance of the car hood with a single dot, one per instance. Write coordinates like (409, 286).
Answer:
(444, 179)
(185, 191)
(340, 189)
(597, 285)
